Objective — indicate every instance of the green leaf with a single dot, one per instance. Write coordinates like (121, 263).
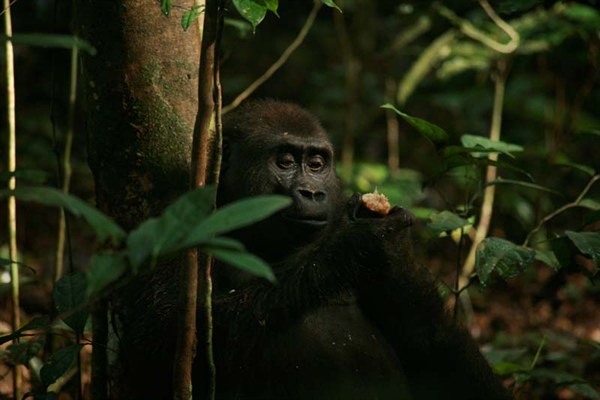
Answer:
(164, 235)
(242, 260)
(446, 221)
(587, 243)
(590, 204)
(508, 368)
(252, 10)
(104, 269)
(331, 3)
(234, 216)
(549, 258)
(432, 132)
(503, 257)
(35, 324)
(32, 176)
(225, 243)
(189, 16)
(166, 6)
(70, 299)
(21, 353)
(272, 6)
(584, 389)
(502, 181)
(50, 40)
(243, 27)
(59, 363)
(472, 141)
(104, 227)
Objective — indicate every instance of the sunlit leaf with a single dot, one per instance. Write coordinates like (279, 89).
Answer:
(70, 300)
(189, 16)
(508, 368)
(253, 11)
(166, 6)
(104, 227)
(496, 255)
(59, 363)
(331, 3)
(272, 6)
(432, 132)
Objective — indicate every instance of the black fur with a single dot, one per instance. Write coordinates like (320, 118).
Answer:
(351, 316)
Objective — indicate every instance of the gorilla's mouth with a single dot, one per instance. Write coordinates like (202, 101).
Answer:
(306, 220)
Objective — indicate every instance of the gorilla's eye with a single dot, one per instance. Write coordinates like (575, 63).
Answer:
(286, 161)
(316, 163)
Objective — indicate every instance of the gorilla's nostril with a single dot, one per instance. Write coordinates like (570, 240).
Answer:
(319, 196)
(306, 193)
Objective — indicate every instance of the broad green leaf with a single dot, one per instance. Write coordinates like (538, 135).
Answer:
(166, 6)
(589, 171)
(252, 10)
(50, 40)
(507, 368)
(189, 16)
(70, 299)
(502, 257)
(590, 204)
(59, 363)
(243, 27)
(163, 235)
(587, 243)
(104, 227)
(104, 269)
(549, 258)
(473, 141)
(242, 260)
(502, 181)
(31, 176)
(564, 250)
(584, 389)
(21, 353)
(234, 216)
(225, 243)
(432, 132)
(272, 6)
(446, 221)
(331, 3)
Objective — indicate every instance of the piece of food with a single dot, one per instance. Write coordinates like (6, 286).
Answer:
(376, 202)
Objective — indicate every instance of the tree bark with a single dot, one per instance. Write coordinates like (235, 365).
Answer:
(141, 97)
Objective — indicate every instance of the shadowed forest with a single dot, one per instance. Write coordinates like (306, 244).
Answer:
(481, 118)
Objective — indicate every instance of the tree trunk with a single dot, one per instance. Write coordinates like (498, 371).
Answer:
(141, 100)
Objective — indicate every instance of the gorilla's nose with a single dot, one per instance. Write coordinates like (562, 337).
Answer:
(312, 195)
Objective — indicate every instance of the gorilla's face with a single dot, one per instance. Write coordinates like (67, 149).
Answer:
(278, 148)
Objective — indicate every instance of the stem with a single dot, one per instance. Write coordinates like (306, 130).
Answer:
(574, 203)
(393, 129)
(12, 184)
(457, 288)
(280, 61)
(352, 83)
(485, 215)
(66, 166)
(185, 351)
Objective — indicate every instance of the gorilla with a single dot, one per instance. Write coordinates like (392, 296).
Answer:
(352, 316)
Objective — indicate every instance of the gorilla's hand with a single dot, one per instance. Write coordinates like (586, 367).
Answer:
(397, 219)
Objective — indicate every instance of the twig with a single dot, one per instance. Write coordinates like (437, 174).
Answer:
(6, 8)
(12, 184)
(574, 203)
(280, 61)
(485, 215)
(474, 33)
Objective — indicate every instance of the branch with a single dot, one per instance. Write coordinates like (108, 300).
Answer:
(474, 33)
(277, 64)
(12, 183)
(560, 210)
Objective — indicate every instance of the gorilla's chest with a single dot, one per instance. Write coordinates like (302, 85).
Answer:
(330, 353)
